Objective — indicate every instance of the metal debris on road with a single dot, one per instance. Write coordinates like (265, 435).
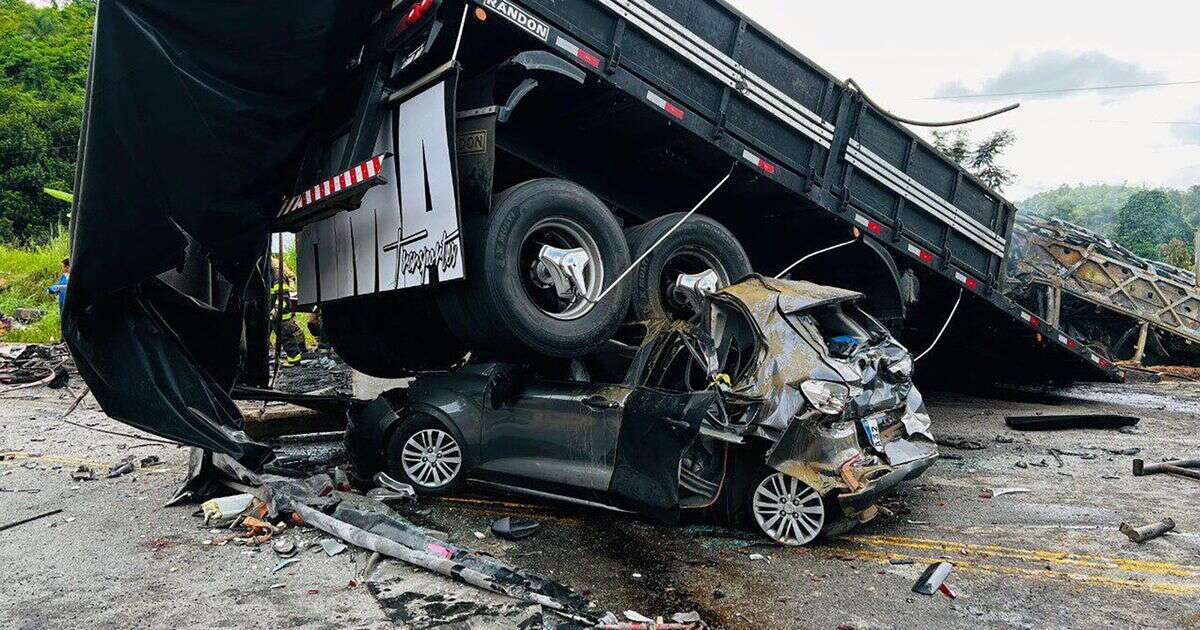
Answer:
(29, 520)
(390, 489)
(510, 529)
(932, 578)
(26, 366)
(284, 547)
(225, 510)
(1147, 532)
(283, 564)
(995, 493)
(332, 547)
(1070, 421)
(119, 469)
(1178, 467)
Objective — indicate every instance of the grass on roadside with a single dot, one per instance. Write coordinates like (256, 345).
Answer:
(25, 273)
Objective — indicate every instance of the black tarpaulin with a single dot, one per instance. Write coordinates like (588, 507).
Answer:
(196, 117)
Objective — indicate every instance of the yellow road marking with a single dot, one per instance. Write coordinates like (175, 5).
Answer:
(1167, 588)
(1034, 555)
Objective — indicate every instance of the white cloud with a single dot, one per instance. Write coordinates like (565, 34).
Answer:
(1054, 71)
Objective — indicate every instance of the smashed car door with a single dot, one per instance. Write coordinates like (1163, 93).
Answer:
(558, 433)
(656, 428)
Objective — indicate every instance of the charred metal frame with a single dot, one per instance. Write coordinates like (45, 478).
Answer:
(1066, 258)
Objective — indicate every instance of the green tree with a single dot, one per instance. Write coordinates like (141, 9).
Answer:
(1177, 254)
(982, 159)
(1150, 220)
(44, 54)
(1093, 206)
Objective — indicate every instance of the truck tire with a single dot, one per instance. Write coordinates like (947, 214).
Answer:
(391, 335)
(700, 244)
(509, 304)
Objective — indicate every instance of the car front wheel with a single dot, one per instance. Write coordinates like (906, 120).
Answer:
(426, 455)
(787, 510)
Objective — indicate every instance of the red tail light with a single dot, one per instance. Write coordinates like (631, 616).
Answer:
(415, 14)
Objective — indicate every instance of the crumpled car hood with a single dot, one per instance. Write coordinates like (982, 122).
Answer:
(792, 351)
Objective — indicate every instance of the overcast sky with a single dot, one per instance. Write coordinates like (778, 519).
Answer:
(903, 52)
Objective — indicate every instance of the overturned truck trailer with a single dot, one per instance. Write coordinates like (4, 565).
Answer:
(1127, 307)
(480, 176)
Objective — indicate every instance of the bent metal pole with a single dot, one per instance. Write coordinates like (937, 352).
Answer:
(662, 238)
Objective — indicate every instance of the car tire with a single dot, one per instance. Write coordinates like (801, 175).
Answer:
(787, 510)
(419, 437)
(698, 244)
(391, 335)
(504, 308)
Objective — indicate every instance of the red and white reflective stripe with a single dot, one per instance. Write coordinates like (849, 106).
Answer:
(766, 166)
(578, 52)
(872, 226)
(925, 256)
(1098, 361)
(966, 281)
(1030, 319)
(674, 110)
(334, 185)
(1066, 341)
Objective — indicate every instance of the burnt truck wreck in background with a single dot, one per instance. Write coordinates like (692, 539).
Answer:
(1127, 307)
(782, 405)
(504, 180)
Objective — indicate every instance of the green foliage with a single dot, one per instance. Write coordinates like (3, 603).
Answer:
(1154, 223)
(1178, 254)
(44, 53)
(1092, 206)
(982, 159)
(25, 273)
(1150, 220)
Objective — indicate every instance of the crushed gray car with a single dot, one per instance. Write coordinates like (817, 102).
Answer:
(781, 405)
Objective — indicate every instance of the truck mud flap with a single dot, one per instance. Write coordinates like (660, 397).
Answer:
(656, 428)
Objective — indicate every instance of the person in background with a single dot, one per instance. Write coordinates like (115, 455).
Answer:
(292, 339)
(60, 286)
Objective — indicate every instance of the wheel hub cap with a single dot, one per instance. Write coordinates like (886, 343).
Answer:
(431, 458)
(564, 269)
(788, 510)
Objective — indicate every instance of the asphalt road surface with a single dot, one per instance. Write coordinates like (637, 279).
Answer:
(1050, 557)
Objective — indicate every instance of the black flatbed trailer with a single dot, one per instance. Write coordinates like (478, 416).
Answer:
(705, 67)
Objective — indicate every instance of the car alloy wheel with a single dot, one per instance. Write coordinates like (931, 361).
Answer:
(788, 510)
(431, 458)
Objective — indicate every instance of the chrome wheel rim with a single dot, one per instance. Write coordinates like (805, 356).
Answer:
(431, 458)
(788, 510)
(688, 261)
(561, 234)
